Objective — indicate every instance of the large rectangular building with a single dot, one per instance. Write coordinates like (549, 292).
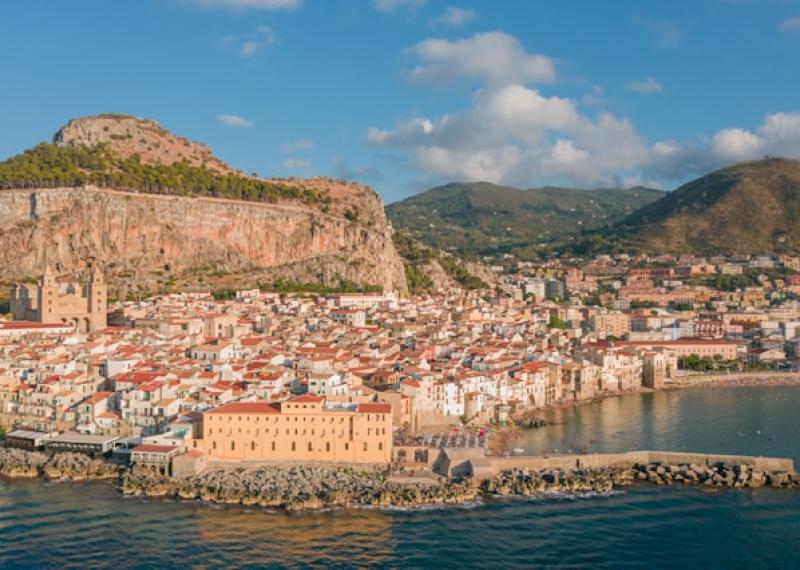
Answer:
(704, 348)
(303, 429)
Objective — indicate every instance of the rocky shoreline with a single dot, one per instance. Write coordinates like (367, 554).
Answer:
(314, 487)
(20, 464)
(300, 487)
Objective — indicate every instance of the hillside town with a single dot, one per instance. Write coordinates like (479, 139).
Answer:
(180, 380)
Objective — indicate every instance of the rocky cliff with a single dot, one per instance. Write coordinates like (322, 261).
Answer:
(152, 241)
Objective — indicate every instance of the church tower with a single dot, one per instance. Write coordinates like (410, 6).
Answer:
(97, 299)
(48, 293)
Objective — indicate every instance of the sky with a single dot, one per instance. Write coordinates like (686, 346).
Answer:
(404, 95)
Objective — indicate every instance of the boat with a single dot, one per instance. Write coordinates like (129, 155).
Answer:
(518, 451)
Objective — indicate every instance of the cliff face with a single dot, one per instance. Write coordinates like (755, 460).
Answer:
(155, 230)
(143, 239)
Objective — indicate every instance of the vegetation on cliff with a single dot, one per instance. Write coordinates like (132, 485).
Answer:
(309, 288)
(417, 256)
(49, 165)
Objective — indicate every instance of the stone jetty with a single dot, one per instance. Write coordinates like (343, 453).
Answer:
(20, 464)
(527, 482)
(720, 474)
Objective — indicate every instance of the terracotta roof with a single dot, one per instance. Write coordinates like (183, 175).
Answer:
(375, 408)
(246, 408)
(306, 398)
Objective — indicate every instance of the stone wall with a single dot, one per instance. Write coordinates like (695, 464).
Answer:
(630, 458)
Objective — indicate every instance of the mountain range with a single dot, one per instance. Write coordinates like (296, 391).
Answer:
(160, 212)
(486, 219)
(747, 208)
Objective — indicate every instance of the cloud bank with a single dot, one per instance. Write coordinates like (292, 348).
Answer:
(512, 133)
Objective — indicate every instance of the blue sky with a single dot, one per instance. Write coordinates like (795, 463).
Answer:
(407, 94)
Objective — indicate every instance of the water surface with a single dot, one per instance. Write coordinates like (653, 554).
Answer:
(90, 525)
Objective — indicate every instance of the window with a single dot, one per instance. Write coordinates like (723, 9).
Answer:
(233, 445)
(252, 446)
(273, 446)
(309, 446)
(380, 446)
(365, 446)
(328, 446)
(294, 446)
(215, 445)
(346, 446)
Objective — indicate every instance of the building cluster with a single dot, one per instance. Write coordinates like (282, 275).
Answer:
(265, 376)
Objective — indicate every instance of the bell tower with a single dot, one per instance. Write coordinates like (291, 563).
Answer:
(48, 293)
(97, 298)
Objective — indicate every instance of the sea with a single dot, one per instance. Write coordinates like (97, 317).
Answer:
(90, 525)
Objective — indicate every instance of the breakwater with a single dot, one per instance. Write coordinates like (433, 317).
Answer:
(629, 459)
(314, 487)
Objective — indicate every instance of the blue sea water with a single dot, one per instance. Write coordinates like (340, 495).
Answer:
(89, 525)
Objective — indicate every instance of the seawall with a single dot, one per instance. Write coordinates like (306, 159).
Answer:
(489, 466)
(629, 459)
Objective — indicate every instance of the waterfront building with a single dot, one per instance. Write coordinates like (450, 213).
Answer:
(305, 428)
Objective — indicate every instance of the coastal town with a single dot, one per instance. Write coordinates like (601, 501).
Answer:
(176, 382)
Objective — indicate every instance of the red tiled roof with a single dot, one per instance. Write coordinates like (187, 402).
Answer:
(246, 408)
(306, 398)
(98, 397)
(375, 408)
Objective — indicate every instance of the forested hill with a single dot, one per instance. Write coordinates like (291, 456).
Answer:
(748, 208)
(484, 219)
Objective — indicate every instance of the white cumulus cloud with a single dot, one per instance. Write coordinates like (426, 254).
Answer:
(790, 25)
(251, 43)
(647, 85)
(455, 17)
(516, 135)
(235, 121)
(511, 132)
(494, 57)
(297, 163)
(298, 145)
(736, 144)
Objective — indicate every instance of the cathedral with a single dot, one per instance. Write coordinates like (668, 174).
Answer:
(81, 302)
